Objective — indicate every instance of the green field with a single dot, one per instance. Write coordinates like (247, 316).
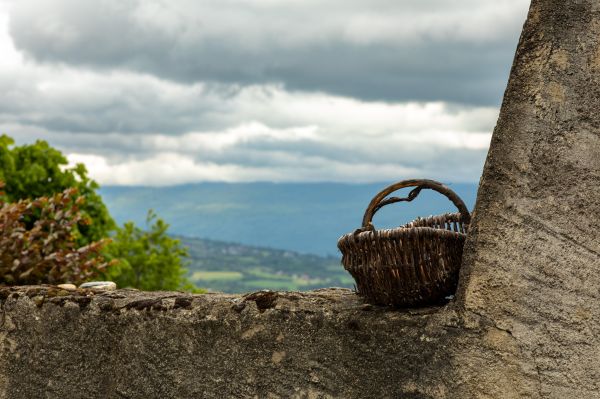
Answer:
(235, 268)
(206, 276)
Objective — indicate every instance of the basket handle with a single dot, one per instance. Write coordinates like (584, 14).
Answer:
(379, 201)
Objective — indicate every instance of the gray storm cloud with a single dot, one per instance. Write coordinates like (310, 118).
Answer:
(391, 50)
(163, 92)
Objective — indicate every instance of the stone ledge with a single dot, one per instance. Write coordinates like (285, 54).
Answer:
(329, 299)
(128, 343)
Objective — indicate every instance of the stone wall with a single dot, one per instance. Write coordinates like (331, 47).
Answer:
(131, 344)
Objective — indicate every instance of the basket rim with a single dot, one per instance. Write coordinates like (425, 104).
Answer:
(397, 231)
(404, 229)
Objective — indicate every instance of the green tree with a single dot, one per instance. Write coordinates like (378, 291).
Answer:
(39, 170)
(148, 259)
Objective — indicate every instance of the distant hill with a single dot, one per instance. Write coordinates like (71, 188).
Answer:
(300, 217)
(234, 268)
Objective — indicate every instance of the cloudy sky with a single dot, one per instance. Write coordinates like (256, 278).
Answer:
(159, 92)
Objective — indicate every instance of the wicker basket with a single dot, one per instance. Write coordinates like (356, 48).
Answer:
(411, 265)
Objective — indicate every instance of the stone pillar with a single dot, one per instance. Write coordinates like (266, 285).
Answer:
(531, 267)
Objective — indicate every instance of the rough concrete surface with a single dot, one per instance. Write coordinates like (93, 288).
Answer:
(525, 322)
(131, 344)
(532, 260)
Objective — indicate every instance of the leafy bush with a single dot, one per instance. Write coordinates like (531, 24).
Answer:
(38, 241)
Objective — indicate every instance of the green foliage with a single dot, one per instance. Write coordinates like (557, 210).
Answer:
(148, 260)
(58, 239)
(38, 170)
(38, 244)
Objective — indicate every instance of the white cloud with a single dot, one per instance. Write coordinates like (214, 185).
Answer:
(158, 169)
(10, 56)
(174, 168)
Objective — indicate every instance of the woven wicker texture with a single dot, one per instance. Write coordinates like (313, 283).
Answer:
(412, 265)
